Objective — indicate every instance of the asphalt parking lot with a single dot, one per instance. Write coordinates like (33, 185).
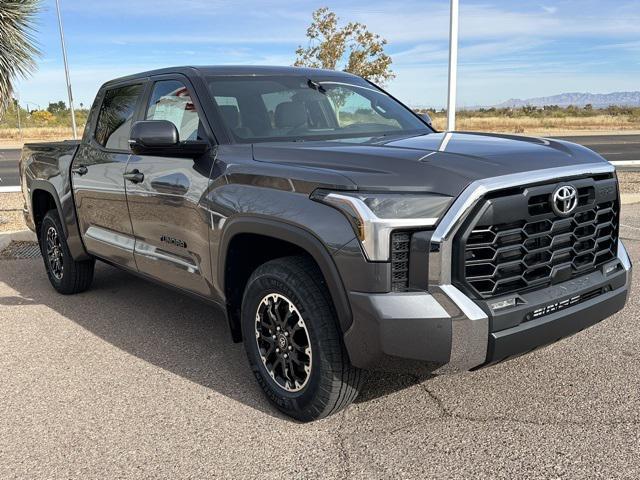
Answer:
(131, 380)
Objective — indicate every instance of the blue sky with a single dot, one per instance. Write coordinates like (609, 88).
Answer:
(508, 48)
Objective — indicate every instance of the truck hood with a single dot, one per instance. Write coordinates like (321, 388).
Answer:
(442, 163)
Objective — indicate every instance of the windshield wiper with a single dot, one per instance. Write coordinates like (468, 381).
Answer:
(316, 86)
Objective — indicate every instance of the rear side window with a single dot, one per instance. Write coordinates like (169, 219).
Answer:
(116, 113)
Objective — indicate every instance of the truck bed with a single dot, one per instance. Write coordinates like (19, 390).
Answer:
(46, 166)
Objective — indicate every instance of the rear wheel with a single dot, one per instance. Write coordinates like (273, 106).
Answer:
(293, 343)
(65, 274)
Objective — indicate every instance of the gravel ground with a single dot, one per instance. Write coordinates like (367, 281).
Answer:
(629, 182)
(11, 212)
(131, 380)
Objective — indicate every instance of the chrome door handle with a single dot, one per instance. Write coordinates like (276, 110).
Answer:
(81, 170)
(134, 176)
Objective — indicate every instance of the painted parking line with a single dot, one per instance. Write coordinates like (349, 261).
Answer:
(12, 189)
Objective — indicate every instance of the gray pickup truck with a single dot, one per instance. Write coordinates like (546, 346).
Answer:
(336, 229)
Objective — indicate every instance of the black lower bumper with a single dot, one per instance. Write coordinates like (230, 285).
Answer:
(446, 331)
(550, 328)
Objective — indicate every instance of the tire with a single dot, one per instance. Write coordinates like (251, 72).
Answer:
(66, 275)
(293, 288)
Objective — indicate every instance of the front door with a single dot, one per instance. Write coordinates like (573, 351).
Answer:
(97, 177)
(170, 227)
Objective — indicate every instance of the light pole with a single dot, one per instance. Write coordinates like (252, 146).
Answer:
(453, 66)
(66, 72)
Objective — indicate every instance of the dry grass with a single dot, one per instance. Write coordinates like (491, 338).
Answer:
(35, 133)
(503, 124)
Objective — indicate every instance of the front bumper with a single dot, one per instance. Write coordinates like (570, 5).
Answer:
(448, 332)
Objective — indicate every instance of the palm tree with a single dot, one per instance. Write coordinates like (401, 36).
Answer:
(17, 44)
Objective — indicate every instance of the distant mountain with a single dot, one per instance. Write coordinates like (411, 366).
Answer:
(598, 100)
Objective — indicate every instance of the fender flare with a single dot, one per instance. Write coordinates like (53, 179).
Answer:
(50, 189)
(298, 236)
(68, 217)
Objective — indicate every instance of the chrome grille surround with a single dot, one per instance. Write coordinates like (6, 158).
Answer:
(469, 322)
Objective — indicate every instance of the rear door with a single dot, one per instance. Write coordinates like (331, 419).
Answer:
(170, 223)
(97, 175)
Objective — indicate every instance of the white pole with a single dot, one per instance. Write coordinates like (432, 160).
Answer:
(66, 72)
(453, 66)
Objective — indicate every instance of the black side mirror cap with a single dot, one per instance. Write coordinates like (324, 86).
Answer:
(154, 134)
(161, 138)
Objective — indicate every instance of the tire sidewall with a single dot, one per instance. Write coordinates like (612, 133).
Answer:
(257, 289)
(50, 220)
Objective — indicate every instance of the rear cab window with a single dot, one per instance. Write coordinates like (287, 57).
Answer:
(116, 115)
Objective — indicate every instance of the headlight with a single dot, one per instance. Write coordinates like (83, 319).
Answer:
(375, 215)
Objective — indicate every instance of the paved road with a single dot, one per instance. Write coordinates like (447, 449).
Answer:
(130, 380)
(9, 168)
(612, 147)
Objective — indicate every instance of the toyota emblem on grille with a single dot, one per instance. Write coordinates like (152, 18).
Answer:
(564, 200)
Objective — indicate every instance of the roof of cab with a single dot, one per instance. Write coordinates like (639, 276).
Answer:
(222, 70)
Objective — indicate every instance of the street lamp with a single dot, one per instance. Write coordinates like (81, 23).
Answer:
(453, 66)
(66, 72)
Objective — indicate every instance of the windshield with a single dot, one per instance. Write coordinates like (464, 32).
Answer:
(294, 108)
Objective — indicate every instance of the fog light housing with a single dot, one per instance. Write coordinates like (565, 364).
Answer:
(509, 302)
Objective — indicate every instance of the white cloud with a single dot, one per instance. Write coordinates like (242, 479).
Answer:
(278, 22)
(506, 48)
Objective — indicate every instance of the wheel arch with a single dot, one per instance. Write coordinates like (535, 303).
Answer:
(44, 194)
(301, 240)
(44, 197)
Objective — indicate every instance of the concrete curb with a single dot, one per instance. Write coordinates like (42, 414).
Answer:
(17, 236)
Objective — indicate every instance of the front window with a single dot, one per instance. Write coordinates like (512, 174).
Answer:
(295, 108)
(171, 101)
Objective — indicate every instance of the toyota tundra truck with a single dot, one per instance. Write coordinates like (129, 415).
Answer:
(337, 230)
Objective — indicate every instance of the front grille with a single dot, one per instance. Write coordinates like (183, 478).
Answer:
(542, 249)
(400, 245)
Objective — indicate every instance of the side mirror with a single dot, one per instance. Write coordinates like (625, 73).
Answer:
(427, 119)
(161, 138)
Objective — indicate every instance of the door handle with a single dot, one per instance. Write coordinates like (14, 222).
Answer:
(81, 170)
(134, 176)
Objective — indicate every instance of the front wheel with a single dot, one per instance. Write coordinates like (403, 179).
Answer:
(65, 274)
(293, 343)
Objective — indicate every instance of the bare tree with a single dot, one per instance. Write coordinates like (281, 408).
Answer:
(352, 48)
(17, 44)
